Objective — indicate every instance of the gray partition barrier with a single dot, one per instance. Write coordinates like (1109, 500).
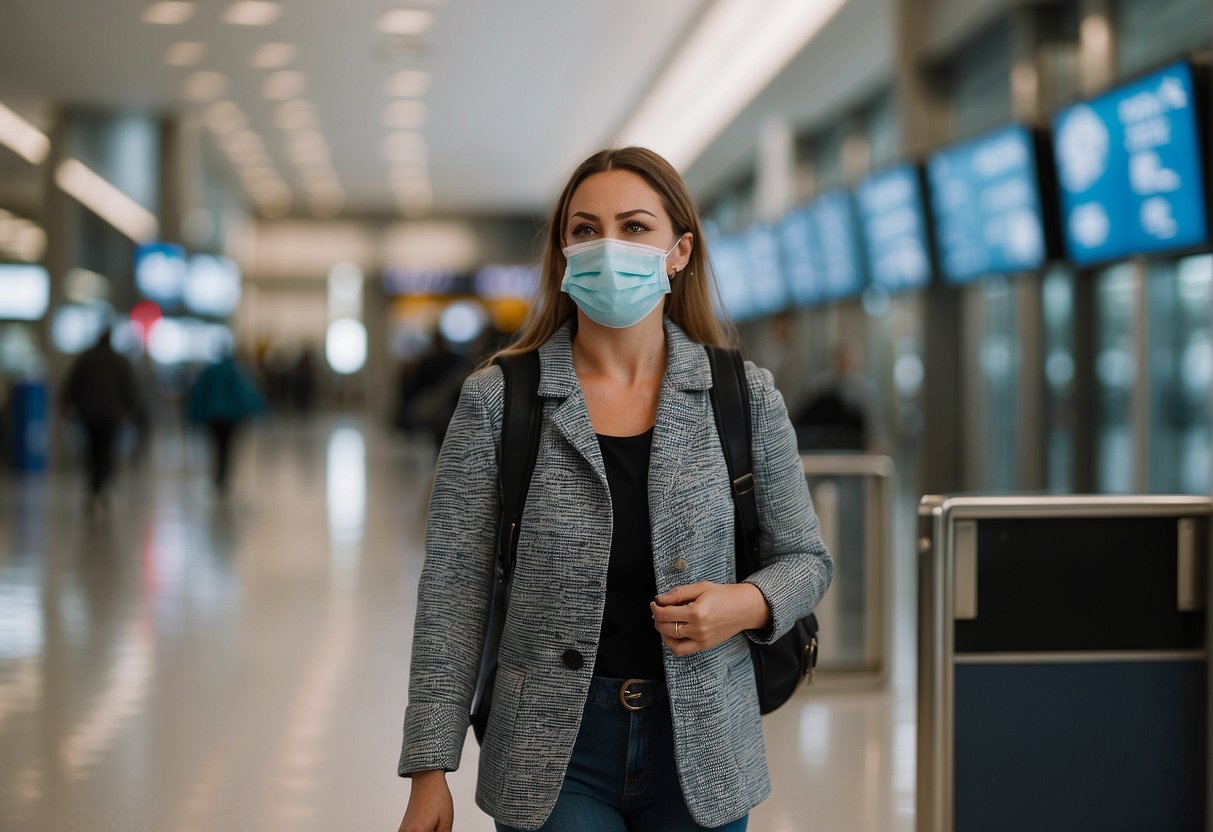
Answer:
(1063, 667)
(852, 494)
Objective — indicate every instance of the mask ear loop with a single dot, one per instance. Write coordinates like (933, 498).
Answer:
(677, 243)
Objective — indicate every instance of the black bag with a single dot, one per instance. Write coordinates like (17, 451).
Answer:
(778, 667)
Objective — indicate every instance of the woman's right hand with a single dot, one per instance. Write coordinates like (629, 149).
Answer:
(430, 808)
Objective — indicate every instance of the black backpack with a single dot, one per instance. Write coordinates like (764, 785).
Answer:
(778, 667)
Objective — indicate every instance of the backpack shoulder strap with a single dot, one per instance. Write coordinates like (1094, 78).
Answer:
(520, 422)
(730, 395)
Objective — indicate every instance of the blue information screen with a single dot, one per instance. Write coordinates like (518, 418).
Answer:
(836, 244)
(728, 255)
(985, 199)
(768, 292)
(891, 215)
(1129, 170)
(160, 273)
(801, 267)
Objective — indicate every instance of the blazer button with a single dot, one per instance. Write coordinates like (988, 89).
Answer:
(573, 660)
(680, 564)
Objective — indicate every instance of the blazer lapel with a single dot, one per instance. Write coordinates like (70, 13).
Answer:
(571, 415)
(678, 436)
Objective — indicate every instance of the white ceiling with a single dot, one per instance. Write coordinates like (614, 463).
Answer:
(521, 89)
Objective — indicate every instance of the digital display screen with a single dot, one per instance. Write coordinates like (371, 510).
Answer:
(768, 293)
(800, 267)
(506, 281)
(729, 263)
(836, 248)
(25, 291)
(985, 200)
(1129, 169)
(422, 282)
(212, 286)
(160, 273)
(892, 218)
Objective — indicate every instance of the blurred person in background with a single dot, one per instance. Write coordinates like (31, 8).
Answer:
(842, 410)
(625, 696)
(100, 390)
(430, 391)
(223, 398)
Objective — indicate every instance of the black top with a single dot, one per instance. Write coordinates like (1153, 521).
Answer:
(630, 645)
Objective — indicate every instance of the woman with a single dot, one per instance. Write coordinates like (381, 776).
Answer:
(625, 696)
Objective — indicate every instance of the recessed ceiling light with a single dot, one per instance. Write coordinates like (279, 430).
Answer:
(273, 55)
(253, 12)
(224, 117)
(169, 12)
(296, 115)
(404, 146)
(405, 114)
(284, 85)
(205, 85)
(309, 153)
(405, 22)
(408, 83)
(184, 53)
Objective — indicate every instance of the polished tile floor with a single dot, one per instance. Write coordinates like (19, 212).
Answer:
(184, 663)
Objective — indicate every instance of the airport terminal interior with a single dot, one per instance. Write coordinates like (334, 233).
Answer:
(267, 240)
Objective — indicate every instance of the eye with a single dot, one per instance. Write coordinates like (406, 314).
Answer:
(635, 227)
(582, 230)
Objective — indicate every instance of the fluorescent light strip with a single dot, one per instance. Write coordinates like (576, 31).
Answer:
(23, 138)
(103, 199)
(735, 52)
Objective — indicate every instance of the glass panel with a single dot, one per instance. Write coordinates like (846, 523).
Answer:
(1115, 377)
(999, 374)
(1152, 31)
(1058, 303)
(827, 159)
(981, 86)
(1181, 374)
(884, 136)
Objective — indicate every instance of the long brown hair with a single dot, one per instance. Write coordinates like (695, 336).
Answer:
(690, 304)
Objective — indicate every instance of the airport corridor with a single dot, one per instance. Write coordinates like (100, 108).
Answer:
(183, 662)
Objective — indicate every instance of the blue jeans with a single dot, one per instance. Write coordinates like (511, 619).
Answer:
(621, 777)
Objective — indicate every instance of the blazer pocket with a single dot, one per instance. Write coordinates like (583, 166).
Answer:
(745, 720)
(499, 735)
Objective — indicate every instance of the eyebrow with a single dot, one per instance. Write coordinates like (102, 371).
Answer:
(621, 216)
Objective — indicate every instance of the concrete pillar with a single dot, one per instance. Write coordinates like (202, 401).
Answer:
(776, 170)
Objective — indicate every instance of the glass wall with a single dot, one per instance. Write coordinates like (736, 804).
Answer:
(1115, 377)
(1060, 403)
(981, 82)
(1181, 374)
(999, 354)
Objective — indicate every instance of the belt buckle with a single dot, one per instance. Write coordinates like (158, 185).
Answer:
(626, 697)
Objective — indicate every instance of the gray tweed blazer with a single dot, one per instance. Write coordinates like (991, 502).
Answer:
(560, 579)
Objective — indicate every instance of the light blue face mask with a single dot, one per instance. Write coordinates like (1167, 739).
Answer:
(616, 283)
